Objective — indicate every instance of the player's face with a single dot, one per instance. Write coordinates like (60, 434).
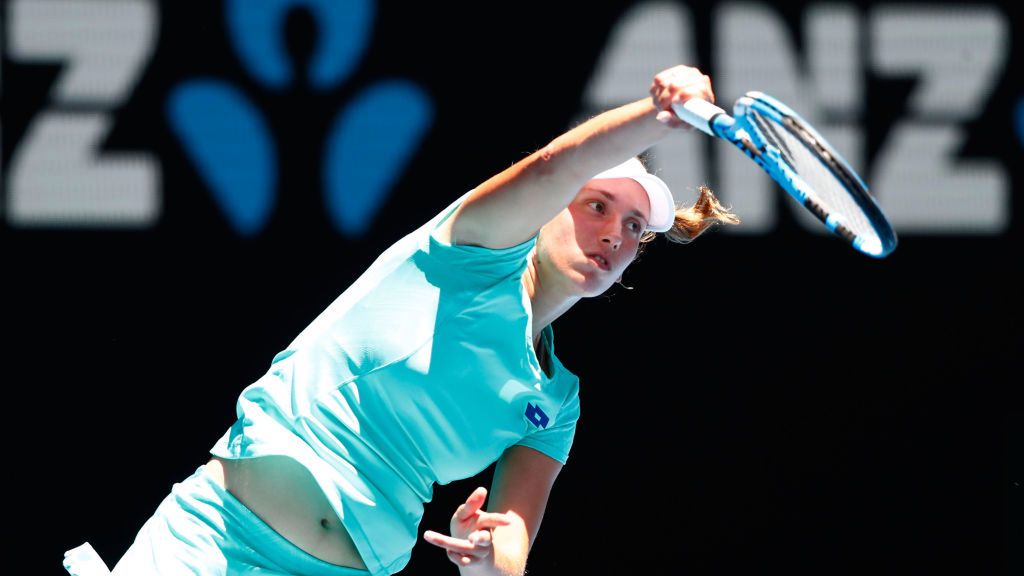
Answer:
(590, 243)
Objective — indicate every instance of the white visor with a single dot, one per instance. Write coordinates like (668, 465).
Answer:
(663, 206)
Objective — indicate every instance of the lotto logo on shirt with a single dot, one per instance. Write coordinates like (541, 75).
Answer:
(536, 416)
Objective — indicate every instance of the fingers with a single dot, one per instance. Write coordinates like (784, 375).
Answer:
(480, 538)
(491, 520)
(473, 504)
(470, 513)
(462, 559)
(462, 552)
(683, 80)
(676, 85)
(449, 543)
(670, 118)
(477, 539)
(470, 520)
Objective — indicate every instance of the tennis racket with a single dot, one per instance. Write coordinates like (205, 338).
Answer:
(806, 166)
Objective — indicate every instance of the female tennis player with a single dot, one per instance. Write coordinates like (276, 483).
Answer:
(436, 363)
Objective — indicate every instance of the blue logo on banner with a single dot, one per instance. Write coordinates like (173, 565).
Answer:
(536, 416)
(369, 142)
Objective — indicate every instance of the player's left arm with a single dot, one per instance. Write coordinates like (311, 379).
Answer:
(498, 542)
(522, 483)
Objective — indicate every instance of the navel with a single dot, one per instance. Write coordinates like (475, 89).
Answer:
(324, 523)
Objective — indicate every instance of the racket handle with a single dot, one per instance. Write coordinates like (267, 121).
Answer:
(700, 114)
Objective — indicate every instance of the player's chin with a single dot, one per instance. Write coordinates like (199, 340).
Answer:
(597, 283)
(589, 280)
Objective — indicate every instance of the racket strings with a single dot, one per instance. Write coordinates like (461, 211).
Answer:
(770, 135)
(815, 166)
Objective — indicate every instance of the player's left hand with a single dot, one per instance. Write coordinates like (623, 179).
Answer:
(470, 540)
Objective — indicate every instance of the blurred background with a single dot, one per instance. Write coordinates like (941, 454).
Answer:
(185, 185)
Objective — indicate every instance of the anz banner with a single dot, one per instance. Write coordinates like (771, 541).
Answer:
(102, 99)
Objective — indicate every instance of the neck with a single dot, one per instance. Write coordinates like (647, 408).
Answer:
(547, 301)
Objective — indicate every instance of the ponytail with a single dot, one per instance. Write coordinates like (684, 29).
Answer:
(692, 221)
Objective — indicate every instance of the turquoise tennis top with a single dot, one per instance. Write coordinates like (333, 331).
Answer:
(423, 371)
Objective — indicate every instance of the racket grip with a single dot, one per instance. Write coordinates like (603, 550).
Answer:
(699, 113)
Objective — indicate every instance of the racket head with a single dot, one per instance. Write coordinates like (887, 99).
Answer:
(811, 170)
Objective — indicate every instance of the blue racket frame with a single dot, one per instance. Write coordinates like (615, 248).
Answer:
(744, 133)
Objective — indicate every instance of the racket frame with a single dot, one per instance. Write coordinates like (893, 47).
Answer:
(742, 131)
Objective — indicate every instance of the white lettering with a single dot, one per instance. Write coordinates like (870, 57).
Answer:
(755, 51)
(57, 179)
(105, 45)
(59, 175)
(650, 37)
(956, 54)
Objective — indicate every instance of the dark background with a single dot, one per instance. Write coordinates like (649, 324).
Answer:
(762, 404)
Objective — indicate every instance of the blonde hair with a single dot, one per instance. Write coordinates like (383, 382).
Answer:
(692, 221)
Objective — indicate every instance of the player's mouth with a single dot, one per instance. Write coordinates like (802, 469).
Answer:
(600, 261)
